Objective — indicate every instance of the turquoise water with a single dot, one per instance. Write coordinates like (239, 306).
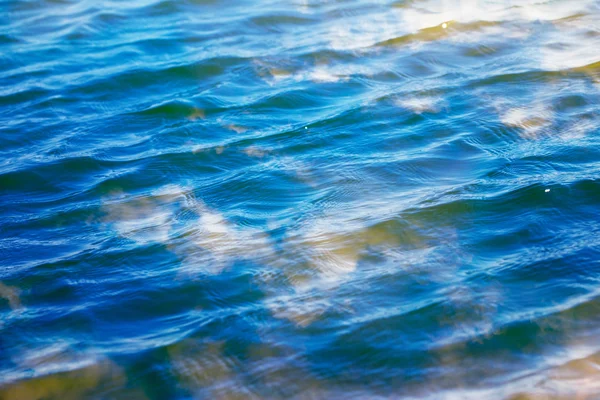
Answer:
(303, 199)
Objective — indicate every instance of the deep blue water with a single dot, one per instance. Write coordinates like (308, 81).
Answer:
(303, 199)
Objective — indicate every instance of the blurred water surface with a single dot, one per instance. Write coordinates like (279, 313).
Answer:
(300, 199)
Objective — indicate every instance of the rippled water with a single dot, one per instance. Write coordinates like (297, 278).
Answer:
(303, 199)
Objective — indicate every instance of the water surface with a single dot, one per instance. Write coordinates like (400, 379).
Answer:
(303, 199)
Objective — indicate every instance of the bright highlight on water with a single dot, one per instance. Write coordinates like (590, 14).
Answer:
(308, 199)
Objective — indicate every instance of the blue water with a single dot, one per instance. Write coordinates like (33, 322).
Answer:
(303, 199)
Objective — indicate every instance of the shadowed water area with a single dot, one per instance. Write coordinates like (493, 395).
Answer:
(303, 199)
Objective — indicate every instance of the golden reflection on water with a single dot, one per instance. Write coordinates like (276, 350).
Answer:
(570, 371)
(536, 119)
(271, 72)
(321, 70)
(11, 294)
(577, 379)
(300, 312)
(531, 121)
(202, 238)
(322, 255)
(290, 378)
(592, 71)
(144, 219)
(332, 248)
(236, 128)
(197, 114)
(81, 382)
(255, 151)
(422, 104)
(214, 243)
(203, 369)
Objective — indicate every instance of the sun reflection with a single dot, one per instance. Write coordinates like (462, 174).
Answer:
(530, 121)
